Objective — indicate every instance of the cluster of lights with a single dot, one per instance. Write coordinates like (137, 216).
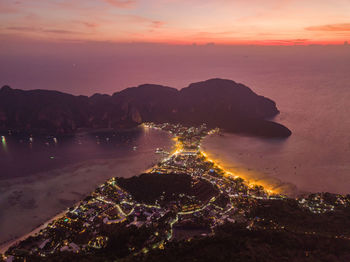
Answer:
(235, 176)
(178, 148)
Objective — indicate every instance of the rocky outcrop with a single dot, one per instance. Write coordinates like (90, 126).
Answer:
(217, 102)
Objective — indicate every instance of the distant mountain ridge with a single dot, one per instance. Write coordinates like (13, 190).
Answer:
(218, 102)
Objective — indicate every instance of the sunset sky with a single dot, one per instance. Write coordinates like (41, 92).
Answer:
(264, 22)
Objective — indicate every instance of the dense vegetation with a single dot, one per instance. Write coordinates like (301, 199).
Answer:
(217, 102)
(295, 218)
(147, 188)
(232, 242)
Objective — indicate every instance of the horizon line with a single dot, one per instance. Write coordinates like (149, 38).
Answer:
(272, 42)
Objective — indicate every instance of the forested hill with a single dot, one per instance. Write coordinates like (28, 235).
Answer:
(220, 103)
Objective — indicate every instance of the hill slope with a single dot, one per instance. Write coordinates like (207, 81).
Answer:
(217, 102)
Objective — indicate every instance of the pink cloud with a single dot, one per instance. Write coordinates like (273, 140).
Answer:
(332, 27)
(157, 24)
(121, 3)
(144, 20)
(9, 8)
(86, 24)
(23, 28)
(42, 30)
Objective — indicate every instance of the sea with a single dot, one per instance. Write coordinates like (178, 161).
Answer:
(310, 85)
(43, 175)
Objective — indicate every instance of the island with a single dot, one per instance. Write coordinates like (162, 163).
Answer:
(186, 207)
(221, 103)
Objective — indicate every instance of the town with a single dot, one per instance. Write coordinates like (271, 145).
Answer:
(186, 195)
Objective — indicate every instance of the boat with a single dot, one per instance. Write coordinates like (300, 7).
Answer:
(159, 150)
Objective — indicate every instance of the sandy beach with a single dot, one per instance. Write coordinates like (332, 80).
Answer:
(218, 148)
(10, 243)
(29, 203)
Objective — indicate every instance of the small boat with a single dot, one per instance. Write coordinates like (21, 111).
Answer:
(159, 151)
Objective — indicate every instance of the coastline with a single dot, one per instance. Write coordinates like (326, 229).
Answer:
(248, 173)
(42, 186)
(4, 247)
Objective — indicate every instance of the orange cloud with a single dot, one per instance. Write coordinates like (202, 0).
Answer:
(157, 24)
(87, 24)
(42, 30)
(333, 27)
(143, 20)
(121, 3)
(9, 8)
(286, 42)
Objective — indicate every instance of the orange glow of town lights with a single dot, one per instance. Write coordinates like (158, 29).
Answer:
(267, 188)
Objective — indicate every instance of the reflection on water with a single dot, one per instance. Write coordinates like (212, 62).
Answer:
(311, 87)
(289, 166)
(41, 176)
(4, 144)
(247, 157)
(22, 155)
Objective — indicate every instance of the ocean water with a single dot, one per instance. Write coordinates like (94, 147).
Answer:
(312, 91)
(310, 84)
(40, 180)
(22, 155)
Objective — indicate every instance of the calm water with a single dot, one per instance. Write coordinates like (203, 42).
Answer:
(42, 178)
(312, 91)
(311, 86)
(23, 155)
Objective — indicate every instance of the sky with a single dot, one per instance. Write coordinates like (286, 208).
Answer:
(237, 22)
(102, 46)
